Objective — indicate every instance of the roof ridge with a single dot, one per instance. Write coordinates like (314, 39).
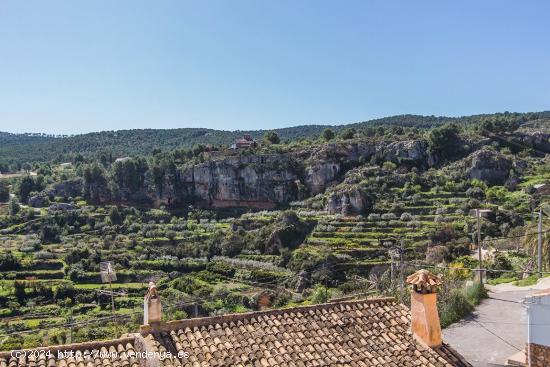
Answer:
(76, 346)
(234, 317)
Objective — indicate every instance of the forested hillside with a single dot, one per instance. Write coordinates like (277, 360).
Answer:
(17, 149)
(276, 224)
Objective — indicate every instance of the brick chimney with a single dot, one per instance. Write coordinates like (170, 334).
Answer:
(538, 329)
(425, 324)
(152, 308)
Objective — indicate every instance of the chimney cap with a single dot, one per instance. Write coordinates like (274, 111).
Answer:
(424, 281)
(152, 292)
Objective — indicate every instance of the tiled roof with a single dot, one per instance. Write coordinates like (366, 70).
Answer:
(116, 353)
(353, 333)
(371, 332)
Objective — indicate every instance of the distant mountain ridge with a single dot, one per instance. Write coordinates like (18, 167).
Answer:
(21, 148)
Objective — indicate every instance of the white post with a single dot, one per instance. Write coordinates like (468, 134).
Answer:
(479, 254)
(539, 247)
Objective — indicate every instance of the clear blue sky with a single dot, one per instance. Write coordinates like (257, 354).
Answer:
(79, 66)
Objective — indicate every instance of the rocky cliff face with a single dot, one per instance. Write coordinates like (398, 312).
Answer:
(248, 181)
(266, 180)
(326, 164)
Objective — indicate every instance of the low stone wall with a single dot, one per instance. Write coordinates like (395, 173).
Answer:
(237, 204)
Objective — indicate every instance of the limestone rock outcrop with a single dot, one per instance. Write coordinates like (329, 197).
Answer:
(353, 201)
(413, 150)
(66, 189)
(261, 181)
(38, 201)
(538, 141)
(258, 181)
(489, 166)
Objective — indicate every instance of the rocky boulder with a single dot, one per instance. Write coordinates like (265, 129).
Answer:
(415, 150)
(289, 231)
(538, 141)
(61, 207)
(66, 189)
(319, 175)
(39, 201)
(488, 165)
(350, 201)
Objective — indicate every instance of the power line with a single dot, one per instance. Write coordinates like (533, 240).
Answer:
(514, 237)
(79, 323)
(505, 300)
(513, 323)
(104, 319)
(498, 336)
(472, 269)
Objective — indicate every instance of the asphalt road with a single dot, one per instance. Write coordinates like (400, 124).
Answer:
(494, 331)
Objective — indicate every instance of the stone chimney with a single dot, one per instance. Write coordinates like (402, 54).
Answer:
(152, 308)
(425, 324)
(538, 329)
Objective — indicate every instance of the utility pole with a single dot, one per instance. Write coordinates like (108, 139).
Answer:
(70, 321)
(479, 254)
(539, 244)
(478, 213)
(325, 270)
(396, 267)
(108, 275)
(401, 275)
(112, 296)
(391, 270)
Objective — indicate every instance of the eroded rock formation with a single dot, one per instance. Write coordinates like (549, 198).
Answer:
(489, 166)
(262, 181)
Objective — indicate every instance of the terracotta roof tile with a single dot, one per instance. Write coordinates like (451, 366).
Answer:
(351, 333)
(116, 353)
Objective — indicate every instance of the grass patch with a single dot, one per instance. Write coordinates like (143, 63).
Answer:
(114, 285)
(498, 281)
(459, 302)
(530, 280)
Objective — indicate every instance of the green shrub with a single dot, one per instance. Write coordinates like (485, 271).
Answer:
(190, 285)
(328, 134)
(500, 262)
(348, 133)
(9, 262)
(459, 302)
(501, 280)
(446, 140)
(222, 268)
(320, 294)
(4, 192)
(530, 280)
(389, 166)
